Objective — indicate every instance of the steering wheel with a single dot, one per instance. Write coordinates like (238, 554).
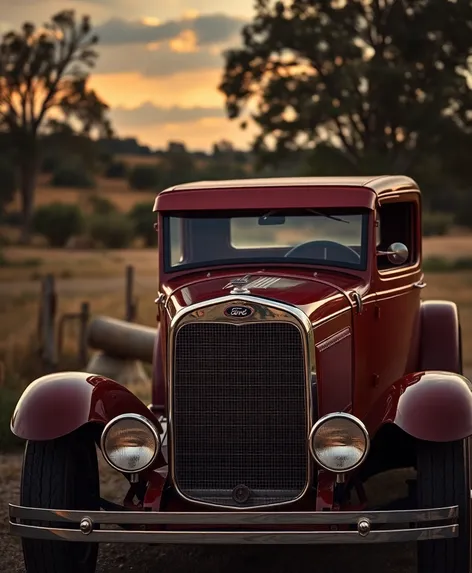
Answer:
(314, 250)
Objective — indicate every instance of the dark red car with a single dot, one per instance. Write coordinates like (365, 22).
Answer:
(294, 360)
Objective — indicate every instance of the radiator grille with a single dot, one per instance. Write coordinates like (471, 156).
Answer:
(239, 413)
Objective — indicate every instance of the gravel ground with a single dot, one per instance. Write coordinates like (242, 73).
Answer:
(181, 559)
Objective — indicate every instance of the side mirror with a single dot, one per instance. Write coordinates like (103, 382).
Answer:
(397, 253)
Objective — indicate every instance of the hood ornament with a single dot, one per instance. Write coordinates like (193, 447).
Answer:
(240, 285)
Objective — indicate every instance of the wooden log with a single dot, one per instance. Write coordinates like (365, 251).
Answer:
(121, 339)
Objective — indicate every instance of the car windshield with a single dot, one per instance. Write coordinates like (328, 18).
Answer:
(335, 237)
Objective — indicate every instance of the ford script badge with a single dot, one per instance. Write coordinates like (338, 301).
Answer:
(239, 311)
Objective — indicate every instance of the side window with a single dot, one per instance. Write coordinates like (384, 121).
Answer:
(395, 224)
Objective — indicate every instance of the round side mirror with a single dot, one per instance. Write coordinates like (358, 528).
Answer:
(397, 253)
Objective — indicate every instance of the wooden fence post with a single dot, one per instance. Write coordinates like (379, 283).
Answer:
(48, 316)
(130, 303)
(84, 318)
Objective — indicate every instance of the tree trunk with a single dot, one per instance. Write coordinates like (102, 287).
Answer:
(29, 166)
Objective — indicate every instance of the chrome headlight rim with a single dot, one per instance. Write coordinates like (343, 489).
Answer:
(332, 416)
(144, 421)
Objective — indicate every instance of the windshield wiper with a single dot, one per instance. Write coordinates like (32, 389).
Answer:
(328, 216)
(333, 217)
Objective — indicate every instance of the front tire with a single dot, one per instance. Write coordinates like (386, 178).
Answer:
(443, 479)
(61, 474)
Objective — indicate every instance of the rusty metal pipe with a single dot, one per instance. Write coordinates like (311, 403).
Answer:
(121, 339)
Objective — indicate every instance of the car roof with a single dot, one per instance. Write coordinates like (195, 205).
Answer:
(378, 184)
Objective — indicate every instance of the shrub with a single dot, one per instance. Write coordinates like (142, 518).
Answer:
(143, 177)
(116, 170)
(8, 400)
(11, 218)
(113, 231)
(72, 174)
(57, 222)
(101, 205)
(437, 223)
(143, 220)
(8, 183)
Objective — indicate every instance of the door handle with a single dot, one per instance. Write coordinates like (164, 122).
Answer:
(420, 284)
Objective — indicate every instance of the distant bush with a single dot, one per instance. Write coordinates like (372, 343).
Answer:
(8, 401)
(446, 265)
(116, 170)
(11, 218)
(143, 177)
(57, 222)
(8, 183)
(101, 205)
(463, 216)
(436, 223)
(143, 220)
(49, 163)
(72, 174)
(113, 231)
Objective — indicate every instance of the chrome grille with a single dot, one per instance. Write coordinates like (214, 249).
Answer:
(239, 412)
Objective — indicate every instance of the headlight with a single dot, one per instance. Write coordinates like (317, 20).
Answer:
(339, 442)
(130, 443)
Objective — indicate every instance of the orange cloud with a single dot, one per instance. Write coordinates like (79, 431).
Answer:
(187, 89)
(196, 134)
(185, 43)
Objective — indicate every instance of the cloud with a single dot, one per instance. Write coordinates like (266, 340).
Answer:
(150, 114)
(160, 59)
(208, 29)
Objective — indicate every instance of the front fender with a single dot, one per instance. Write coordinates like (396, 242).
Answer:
(57, 404)
(436, 406)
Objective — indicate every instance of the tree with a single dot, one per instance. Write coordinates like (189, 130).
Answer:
(43, 78)
(373, 79)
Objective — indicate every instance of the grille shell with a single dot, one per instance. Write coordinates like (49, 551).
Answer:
(239, 412)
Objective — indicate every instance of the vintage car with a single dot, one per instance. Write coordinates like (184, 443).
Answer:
(294, 359)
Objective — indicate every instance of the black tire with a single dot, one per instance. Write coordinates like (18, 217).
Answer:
(443, 479)
(61, 474)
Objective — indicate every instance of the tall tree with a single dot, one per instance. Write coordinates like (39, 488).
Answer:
(43, 79)
(377, 80)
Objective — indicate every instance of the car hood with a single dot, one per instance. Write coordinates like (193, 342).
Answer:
(317, 294)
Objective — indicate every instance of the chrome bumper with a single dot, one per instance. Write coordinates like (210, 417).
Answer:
(366, 527)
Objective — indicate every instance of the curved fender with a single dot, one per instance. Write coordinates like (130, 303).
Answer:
(436, 406)
(440, 343)
(57, 404)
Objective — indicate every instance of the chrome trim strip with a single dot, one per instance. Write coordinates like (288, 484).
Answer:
(238, 537)
(285, 313)
(236, 517)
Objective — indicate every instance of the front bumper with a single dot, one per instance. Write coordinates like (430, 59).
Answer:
(341, 527)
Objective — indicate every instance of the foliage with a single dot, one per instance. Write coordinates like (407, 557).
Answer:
(381, 81)
(143, 220)
(113, 230)
(8, 400)
(463, 215)
(57, 222)
(8, 183)
(44, 74)
(72, 174)
(447, 265)
(435, 224)
(101, 205)
(116, 170)
(143, 177)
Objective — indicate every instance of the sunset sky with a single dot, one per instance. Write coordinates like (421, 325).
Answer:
(160, 63)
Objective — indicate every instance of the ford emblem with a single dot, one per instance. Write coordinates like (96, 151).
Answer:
(239, 311)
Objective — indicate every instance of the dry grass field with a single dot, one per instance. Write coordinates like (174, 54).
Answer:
(115, 190)
(98, 277)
